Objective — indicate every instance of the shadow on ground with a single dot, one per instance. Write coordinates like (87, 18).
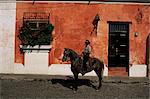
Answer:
(70, 82)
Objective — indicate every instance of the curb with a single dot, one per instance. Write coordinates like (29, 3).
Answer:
(123, 80)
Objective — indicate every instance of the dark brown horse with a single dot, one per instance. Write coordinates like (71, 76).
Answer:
(77, 65)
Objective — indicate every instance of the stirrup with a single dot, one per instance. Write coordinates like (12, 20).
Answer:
(83, 73)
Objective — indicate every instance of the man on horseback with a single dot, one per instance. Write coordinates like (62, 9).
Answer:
(86, 54)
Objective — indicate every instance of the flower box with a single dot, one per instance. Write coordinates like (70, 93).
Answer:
(35, 49)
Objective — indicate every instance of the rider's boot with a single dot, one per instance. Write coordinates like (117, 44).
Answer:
(84, 71)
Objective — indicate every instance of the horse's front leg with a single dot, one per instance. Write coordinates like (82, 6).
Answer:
(99, 74)
(76, 82)
(100, 83)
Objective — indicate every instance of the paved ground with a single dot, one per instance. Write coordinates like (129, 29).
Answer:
(60, 87)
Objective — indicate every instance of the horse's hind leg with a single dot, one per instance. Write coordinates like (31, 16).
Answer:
(99, 74)
(76, 82)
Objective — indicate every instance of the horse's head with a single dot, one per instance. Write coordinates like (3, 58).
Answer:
(66, 55)
(69, 55)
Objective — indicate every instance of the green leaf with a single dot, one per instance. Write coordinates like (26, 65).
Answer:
(32, 37)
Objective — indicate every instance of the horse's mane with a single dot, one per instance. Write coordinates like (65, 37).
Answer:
(73, 52)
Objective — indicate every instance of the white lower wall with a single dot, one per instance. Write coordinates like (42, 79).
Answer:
(138, 71)
(65, 69)
(35, 63)
(54, 69)
(7, 36)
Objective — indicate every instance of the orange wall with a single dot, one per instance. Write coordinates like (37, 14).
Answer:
(73, 25)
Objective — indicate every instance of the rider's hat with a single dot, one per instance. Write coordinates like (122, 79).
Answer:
(87, 42)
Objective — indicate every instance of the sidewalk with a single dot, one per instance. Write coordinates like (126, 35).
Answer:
(32, 77)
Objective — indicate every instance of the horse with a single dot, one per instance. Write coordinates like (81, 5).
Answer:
(77, 66)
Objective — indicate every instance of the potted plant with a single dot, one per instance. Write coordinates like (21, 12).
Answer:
(31, 38)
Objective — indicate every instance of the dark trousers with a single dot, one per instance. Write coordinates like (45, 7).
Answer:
(85, 59)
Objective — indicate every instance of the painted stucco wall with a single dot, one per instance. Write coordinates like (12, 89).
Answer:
(7, 36)
(73, 25)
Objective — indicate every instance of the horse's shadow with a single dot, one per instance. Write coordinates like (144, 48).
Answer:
(69, 82)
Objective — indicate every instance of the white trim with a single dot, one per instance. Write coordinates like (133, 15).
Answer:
(84, 2)
(37, 48)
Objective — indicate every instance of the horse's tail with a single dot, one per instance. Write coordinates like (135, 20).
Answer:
(102, 72)
(101, 66)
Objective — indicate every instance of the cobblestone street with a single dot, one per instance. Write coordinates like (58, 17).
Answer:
(60, 87)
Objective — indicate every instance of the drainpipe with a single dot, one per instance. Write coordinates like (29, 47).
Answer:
(33, 2)
(148, 55)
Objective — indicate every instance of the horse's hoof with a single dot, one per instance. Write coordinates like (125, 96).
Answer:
(97, 90)
(71, 87)
(74, 92)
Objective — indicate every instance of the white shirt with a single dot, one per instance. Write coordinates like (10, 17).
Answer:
(87, 49)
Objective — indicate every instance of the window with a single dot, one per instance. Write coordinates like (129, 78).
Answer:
(37, 24)
(36, 29)
(36, 20)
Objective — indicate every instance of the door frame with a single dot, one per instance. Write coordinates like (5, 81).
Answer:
(120, 22)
